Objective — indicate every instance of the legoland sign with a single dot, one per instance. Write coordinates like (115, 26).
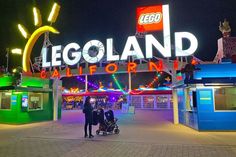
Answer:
(148, 19)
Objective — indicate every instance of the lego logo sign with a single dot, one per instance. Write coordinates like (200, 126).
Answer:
(149, 19)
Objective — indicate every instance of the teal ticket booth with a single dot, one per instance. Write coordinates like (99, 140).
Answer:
(31, 101)
(207, 102)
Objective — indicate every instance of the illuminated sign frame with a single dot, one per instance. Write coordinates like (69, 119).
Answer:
(131, 48)
(110, 68)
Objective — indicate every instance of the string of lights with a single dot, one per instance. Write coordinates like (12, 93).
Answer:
(148, 86)
(135, 93)
(89, 83)
(118, 84)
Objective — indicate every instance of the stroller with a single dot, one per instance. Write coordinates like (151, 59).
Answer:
(108, 125)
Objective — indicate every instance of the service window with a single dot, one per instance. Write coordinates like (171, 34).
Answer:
(225, 98)
(190, 99)
(35, 101)
(5, 100)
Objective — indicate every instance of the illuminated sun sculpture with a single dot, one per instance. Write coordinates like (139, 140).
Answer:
(37, 33)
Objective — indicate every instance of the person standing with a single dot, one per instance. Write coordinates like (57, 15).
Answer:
(88, 112)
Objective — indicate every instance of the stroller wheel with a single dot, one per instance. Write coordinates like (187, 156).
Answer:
(97, 132)
(117, 131)
(104, 133)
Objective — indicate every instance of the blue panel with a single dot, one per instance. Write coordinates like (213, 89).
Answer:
(181, 106)
(14, 99)
(205, 100)
(215, 70)
(191, 119)
(208, 119)
(218, 121)
(187, 118)
(181, 117)
(205, 97)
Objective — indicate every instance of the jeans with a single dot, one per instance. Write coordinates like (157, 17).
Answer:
(88, 123)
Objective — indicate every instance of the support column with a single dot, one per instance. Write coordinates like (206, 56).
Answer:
(86, 83)
(155, 102)
(141, 96)
(130, 83)
(186, 99)
(83, 100)
(129, 100)
(168, 101)
(56, 97)
(175, 107)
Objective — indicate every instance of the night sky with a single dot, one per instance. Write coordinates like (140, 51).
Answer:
(82, 20)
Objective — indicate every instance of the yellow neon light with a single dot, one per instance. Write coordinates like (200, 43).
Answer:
(37, 17)
(7, 93)
(17, 92)
(23, 31)
(16, 51)
(14, 70)
(54, 13)
(205, 98)
(31, 42)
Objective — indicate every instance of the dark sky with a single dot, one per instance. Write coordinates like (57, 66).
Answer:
(83, 20)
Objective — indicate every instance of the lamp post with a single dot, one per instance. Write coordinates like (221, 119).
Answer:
(7, 55)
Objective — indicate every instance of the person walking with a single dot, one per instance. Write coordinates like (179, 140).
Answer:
(88, 112)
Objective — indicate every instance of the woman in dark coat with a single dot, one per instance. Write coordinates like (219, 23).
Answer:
(88, 112)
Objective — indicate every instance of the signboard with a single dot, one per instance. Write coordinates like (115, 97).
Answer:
(24, 101)
(149, 18)
(34, 98)
(110, 68)
(14, 99)
(131, 109)
(205, 97)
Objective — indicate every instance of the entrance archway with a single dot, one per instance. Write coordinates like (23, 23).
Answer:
(161, 98)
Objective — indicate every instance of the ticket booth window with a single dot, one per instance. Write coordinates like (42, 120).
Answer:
(190, 99)
(35, 101)
(225, 98)
(5, 100)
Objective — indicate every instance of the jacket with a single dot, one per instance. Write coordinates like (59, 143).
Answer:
(88, 111)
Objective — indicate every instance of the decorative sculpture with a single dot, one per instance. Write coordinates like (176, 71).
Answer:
(100, 85)
(226, 44)
(225, 28)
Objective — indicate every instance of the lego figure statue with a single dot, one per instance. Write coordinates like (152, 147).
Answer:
(222, 50)
(100, 85)
(225, 28)
(110, 85)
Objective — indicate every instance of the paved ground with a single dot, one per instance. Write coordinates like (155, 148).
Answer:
(145, 134)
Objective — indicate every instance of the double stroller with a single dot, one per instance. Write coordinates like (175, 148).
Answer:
(108, 125)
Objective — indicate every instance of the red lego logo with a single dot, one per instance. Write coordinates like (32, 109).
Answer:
(149, 19)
